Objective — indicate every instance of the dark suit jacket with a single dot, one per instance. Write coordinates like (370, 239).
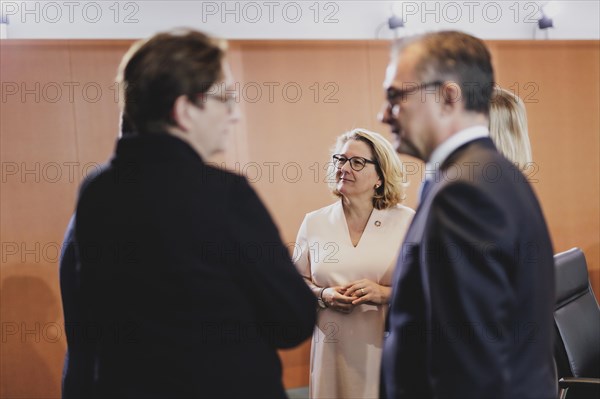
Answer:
(471, 309)
(77, 370)
(188, 286)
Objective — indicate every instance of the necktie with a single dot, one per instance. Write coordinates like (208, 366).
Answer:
(424, 189)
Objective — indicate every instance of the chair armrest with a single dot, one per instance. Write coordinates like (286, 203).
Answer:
(575, 381)
(574, 387)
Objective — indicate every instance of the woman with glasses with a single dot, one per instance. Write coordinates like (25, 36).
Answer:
(346, 253)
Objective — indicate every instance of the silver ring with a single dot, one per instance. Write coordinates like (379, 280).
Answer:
(362, 290)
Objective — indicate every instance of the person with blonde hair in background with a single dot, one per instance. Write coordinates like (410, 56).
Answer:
(346, 253)
(508, 127)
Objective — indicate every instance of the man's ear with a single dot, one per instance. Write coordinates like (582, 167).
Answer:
(181, 113)
(451, 95)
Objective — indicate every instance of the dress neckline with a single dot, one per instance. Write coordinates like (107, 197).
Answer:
(347, 229)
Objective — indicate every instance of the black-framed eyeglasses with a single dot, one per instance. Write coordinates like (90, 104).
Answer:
(356, 163)
(395, 95)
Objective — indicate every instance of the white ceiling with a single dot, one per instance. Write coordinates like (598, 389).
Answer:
(308, 19)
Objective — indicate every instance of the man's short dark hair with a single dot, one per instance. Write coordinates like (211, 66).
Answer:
(155, 72)
(457, 57)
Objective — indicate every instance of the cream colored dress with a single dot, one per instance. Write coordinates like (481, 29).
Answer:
(346, 348)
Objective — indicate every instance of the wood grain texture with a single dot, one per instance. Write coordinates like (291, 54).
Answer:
(296, 97)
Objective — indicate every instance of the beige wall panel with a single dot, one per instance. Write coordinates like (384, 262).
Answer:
(559, 83)
(33, 342)
(94, 71)
(291, 136)
(318, 92)
(236, 146)
(379, 57)
(295, 365)
(37, 132)
(280, 134)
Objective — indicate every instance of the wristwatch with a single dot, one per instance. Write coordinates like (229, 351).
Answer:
(320, 300)
(321, 303)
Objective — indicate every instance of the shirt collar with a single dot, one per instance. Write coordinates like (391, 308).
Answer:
(443, 151)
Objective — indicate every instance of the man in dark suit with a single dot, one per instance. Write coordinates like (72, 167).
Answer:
(471, 308)
(187, 287)
(78, 364)
(79, 357)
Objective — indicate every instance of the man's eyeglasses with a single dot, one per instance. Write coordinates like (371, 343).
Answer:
(356, 163)
(229, 100)
(395, 96)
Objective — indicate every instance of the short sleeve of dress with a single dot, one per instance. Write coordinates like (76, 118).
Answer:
(301, 253)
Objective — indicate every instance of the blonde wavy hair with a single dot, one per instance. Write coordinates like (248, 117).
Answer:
(388, 166)
(508, 127)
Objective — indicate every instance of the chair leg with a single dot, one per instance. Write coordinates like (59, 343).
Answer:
(563, 393)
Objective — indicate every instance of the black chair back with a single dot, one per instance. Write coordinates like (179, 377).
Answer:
(576, 318)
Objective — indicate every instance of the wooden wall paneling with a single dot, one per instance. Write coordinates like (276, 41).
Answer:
(379, 58)
(236, 149)
(36, 140)
(94, 70)
(559, 83)
(564, 128)
(319, 91)
(295, 131)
